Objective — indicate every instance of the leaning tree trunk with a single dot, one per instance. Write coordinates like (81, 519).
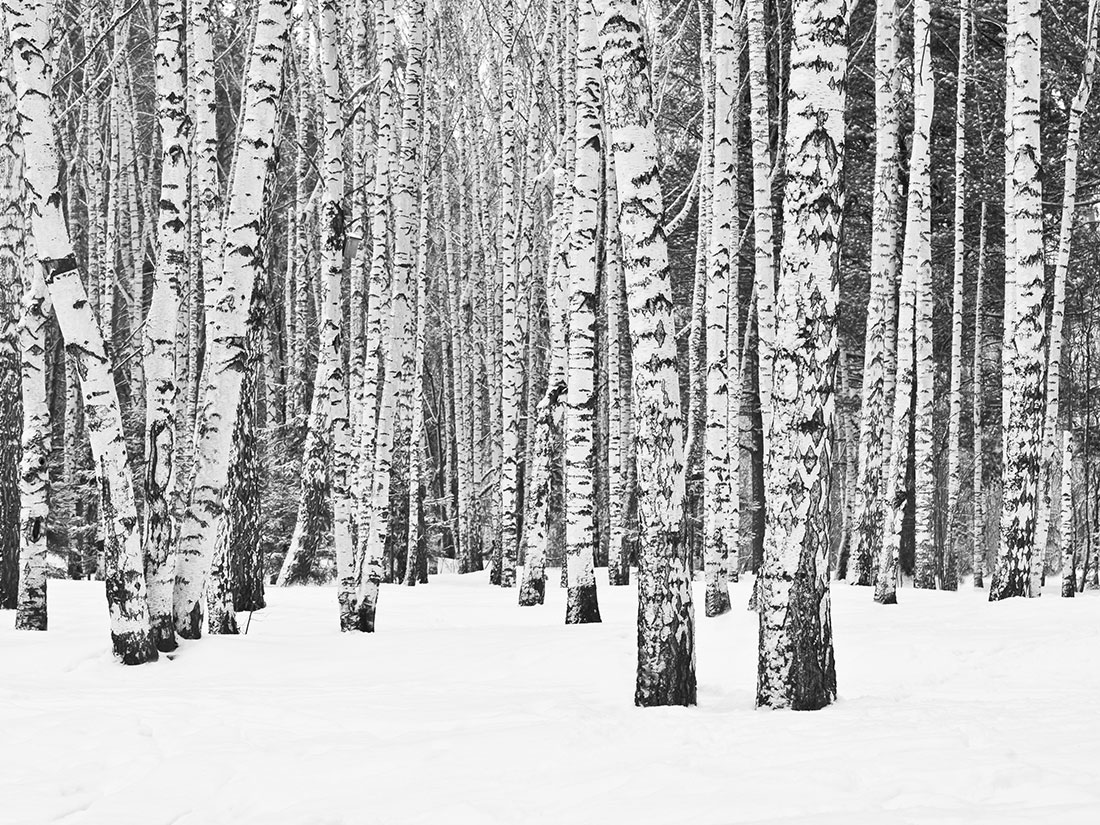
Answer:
(580, 499)
(1051, 429)
(29, 23)
(160, 326)
(796, 665)
(666, 617)
(720, 513)
(874, 422)
(1024, 363)
(228, 296)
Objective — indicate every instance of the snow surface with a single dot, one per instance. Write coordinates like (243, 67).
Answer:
(465, 708)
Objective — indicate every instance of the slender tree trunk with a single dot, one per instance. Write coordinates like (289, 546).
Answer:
(1068, 537)
(762, 210)
(1051, 429)
(977, 414)
(954, 547)
(874, 424)
(511, 328)
(666, 620)
(29, 22)
(618, 556)
(720, 515)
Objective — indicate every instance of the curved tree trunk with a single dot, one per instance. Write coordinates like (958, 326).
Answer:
(29, 23)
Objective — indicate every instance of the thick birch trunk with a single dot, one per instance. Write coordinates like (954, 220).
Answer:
(918, 254)
(1024, 362)
(796, 665)
(126, 592)
(228, 296)
(666, 620)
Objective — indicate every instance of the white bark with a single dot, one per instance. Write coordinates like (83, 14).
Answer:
(32, 54)
(720, 514)
(580, 404)
(228, 297)
(1051, 430)
(161, 325)
(875, 408)
(666, 621)
(796, 666)
(1023, 360)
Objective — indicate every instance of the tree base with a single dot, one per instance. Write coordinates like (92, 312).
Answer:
(135, 648)
(581, 606)
(532, 592)
(31, 619)
(163, 634)
(717, 601)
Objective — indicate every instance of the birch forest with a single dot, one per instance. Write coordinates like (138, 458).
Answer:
(589, 297)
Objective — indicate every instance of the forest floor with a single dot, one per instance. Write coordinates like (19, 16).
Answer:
(464, 708)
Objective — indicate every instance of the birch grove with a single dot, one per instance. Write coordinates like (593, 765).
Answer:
(360, 294)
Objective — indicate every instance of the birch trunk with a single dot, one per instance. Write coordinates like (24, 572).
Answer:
(918, 254)
(666, 621)
(1024, 363)
(762, 210)
(511, 328)
(29, 26)
(580, 500)
(978, 415)
(1069, 544)
(13, 310)
(874, 423)
(228, 294)
(1051, 430)
(331, 368)
(720, 515)
(618, 556)
(954, 547)
(796, 665)
(160, 328)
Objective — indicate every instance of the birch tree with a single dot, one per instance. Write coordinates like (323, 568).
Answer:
(720, 515)
(1024, 363)
(228, 294)
(874, 422)
(162, 320)
(1051, 429)
(581, 604)
(33, 58)
(954, 547)
(666, 616)
(796, 666)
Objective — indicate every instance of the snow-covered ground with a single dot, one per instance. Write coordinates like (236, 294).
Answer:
(465, 708)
